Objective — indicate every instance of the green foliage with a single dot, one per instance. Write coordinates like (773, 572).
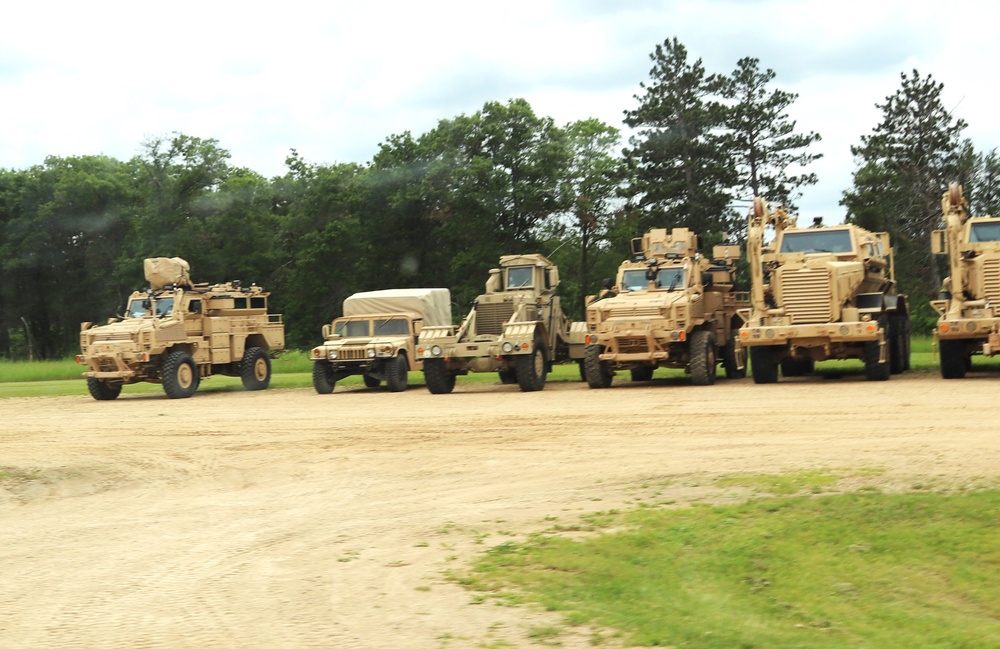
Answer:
(865, 569)
(681, 171)
(905, 164)
(764, 144)
(440, 208)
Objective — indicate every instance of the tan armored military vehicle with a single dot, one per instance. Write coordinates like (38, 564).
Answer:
(969, 305)
(177, 333)
(377, 337)
(516, 328)
(669, 307)
(821, 293)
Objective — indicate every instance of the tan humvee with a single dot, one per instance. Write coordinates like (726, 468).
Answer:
(177, 333)
(669, 307)
(377, 335)
(822, 293)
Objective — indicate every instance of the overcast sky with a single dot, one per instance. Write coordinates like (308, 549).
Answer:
(334, 79)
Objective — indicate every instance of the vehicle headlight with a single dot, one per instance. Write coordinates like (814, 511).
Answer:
(333, 355)
(371, 353)
(436, 350)
(507, 348)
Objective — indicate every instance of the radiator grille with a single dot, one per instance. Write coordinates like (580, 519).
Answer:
(634, 311)
(107, 337)
(632, 345)
(352, 354)
(490, 317)
(991, 279)
(806, 295)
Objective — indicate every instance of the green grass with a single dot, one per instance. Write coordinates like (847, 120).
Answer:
(868, 569)
(292, 369)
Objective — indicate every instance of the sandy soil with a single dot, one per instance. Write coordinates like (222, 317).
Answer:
(290, 519)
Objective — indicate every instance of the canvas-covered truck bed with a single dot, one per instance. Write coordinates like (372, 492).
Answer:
(433, 305)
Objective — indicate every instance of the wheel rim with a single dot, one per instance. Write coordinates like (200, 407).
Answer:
(185, 375)
(539, 363)
(260, 369)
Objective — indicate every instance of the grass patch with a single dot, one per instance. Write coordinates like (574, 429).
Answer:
(914, 570)
(291, 369)
(793, 482)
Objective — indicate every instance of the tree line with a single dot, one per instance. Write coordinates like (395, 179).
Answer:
(439, 208)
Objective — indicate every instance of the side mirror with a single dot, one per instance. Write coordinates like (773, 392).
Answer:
(938, 244)
(606, 283)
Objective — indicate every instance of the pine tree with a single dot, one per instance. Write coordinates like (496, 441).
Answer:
(681, 170)
(986, 198)
(906, 164)
(764, 144)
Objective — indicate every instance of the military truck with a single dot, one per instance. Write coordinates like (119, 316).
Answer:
(377, 336)
(176, 333)
(821, 293)
(969, 304)
(516, 328)
(669, 307)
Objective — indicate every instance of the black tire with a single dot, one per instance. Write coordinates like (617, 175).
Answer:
(583, 369)
(179, 375)
(952, 359)
(255, 369)
(730, 361)
(508, 377)
(323, 379)
(437, 377)
(897, 344)
(642, 373)
(102, 390)
(874, 370)
(763, 367)
(397, 373)
(371, 381)
(703, 361)
(597, 373)
(531, 368)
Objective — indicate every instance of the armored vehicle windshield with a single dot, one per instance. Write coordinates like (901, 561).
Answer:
(984, 232)
(669, 278)
(817, 241)
(519, 277)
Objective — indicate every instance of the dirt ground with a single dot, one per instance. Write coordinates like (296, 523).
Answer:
(290, 519)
